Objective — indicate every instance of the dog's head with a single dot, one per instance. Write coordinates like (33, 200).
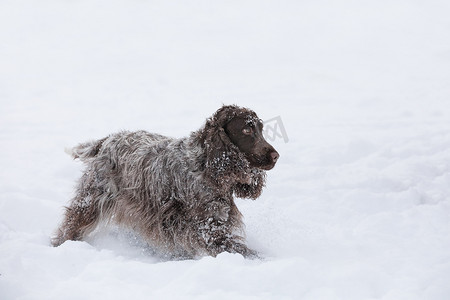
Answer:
(236, 152)
(245, 132)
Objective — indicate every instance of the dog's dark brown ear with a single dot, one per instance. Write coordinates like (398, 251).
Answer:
(225, 164)
(253, 188)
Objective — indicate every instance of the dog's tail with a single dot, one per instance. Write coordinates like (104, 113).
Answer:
(86, 150)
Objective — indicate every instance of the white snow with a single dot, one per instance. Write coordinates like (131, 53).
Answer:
(358, 206)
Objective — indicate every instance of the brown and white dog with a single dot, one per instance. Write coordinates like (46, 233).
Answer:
(176, 193)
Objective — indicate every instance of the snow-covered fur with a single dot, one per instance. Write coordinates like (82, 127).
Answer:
(176, 193)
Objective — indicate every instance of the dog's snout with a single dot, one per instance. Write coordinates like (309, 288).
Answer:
(274, 156)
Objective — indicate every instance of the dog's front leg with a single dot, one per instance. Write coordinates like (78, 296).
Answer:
(218, 238)
(239, 247)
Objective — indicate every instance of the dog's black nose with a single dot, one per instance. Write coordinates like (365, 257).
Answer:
(274, 156)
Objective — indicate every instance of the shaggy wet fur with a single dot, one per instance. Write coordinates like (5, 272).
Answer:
(176, 193)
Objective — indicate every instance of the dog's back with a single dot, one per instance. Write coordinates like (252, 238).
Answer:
(125, 141)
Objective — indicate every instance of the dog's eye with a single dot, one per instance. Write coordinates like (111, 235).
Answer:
(247, 130)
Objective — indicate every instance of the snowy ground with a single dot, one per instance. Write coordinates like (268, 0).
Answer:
(358, 206)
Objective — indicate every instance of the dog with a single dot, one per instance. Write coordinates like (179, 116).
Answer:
(176, 193)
